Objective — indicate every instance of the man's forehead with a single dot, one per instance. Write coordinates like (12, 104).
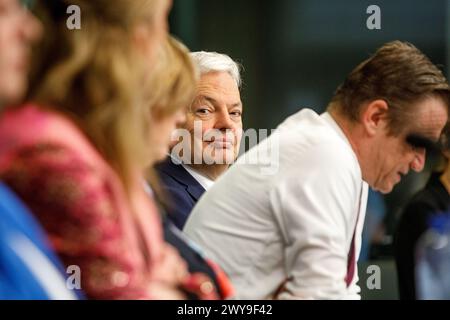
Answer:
(221, 82)
(217, 100)
(429, 120)
(431, 132)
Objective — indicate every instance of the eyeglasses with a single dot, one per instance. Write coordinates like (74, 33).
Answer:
(418, 141)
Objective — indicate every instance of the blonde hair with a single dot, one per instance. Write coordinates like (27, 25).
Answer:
(174, 87)
(175, 79)
(98, 76)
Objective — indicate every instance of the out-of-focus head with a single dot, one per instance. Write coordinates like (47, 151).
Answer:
(174, 86)
(125, 27)
(442, 165)
(400, 100)
(444, 141)
(443, 162)
(102, 73)
(19, 29)
(214, 118)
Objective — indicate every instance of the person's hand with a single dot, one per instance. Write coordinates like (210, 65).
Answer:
(163, 291)
(171, 269)
(199, 286)
(174, 282)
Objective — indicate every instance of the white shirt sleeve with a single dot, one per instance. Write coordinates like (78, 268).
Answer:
(316, 209)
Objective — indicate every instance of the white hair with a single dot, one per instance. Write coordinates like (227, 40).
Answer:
(217, 62)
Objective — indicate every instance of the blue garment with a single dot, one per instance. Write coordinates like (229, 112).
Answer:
(188, 250)
(23, 252)
(182, 189)
(375, 213)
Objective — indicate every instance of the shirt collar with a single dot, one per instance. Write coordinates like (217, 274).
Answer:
(326, 116)
(204, 181)
(333, 124)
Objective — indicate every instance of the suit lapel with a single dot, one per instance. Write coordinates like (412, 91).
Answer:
(196, 190)
(180, 174)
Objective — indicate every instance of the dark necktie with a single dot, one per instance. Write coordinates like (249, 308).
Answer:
(351, 258)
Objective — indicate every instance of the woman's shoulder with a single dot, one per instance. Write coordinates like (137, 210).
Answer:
(50, 164)
(31, 127)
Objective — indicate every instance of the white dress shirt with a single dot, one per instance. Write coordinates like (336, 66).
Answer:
(287, 233)
(205, 182)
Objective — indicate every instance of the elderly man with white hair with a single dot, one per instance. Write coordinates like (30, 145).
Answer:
(212, 134)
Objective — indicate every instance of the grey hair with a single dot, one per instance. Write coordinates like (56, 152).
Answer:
(217, 62)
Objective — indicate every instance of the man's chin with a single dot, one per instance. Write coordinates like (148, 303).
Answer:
(221, 157)
(218, 161)
(384, 189)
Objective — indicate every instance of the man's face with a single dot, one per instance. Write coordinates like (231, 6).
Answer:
(217, 111)
(18, 29)
(396, 155)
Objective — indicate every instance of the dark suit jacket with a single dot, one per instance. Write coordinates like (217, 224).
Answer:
(194, 259)
(182, 190)
(191, 253)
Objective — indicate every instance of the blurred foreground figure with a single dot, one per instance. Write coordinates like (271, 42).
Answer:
(28, 268)
(173, 92)
(295, 232)
(79, 164)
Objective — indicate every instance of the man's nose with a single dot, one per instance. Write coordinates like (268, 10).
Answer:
(223, 121)
(418, 162)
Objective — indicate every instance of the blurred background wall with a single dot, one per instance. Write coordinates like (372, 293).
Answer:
(296, 52)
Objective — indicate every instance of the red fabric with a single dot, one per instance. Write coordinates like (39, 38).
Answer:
(82, 204)
(351, 258)
(225, 285)
(351, 263)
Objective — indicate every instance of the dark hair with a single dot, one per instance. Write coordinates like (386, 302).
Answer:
(398, 73)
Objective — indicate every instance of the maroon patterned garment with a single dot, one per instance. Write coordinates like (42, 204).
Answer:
(82, 204)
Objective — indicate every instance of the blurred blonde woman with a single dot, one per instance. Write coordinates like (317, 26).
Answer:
(76, 153)
(174, 90)
(21, 237)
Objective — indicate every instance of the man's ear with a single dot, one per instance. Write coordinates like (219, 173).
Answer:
(374, 116)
